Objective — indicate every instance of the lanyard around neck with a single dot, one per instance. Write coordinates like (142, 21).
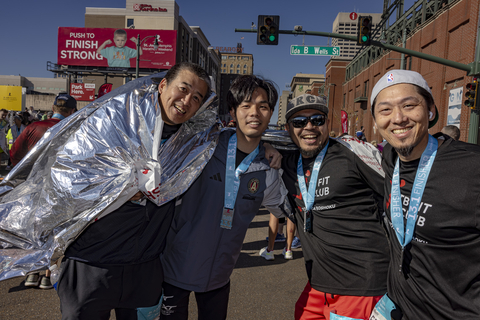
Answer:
(405, 235)
(232, 174)
(308, 196)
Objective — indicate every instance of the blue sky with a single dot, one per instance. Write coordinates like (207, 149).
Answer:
(29, 30)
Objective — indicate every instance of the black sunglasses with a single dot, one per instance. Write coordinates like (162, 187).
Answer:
(301, 122)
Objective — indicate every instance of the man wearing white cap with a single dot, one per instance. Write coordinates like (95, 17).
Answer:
(432, 207)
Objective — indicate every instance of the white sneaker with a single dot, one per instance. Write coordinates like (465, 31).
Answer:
(287, 254)
(33, 280)
(267, 255)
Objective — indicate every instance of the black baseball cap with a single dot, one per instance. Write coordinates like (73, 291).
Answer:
(70, 101)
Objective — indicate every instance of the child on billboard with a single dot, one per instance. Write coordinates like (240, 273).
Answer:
(118, 55)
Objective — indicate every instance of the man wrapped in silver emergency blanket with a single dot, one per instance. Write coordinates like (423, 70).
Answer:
(91, 163)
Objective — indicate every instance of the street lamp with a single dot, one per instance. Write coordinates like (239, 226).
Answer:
(139, 43)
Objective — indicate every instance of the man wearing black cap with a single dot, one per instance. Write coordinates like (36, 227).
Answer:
(63, 106)
(431, 205)
(337, 198)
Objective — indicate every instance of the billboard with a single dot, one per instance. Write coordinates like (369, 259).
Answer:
(11, 98)
(116, 48)
(83, 91)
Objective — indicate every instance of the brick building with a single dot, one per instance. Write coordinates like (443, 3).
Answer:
(449, 32)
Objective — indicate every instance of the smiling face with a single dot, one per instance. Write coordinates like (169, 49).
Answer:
(120, 40)
(182, 97)
(252, 117)
(401, 116)
(310, 139)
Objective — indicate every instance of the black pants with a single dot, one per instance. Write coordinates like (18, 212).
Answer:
(212, 305)
(90, 292)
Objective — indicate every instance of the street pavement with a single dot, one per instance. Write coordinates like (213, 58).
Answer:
(260, 289)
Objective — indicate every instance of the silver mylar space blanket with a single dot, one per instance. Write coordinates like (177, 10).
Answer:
(91, 163)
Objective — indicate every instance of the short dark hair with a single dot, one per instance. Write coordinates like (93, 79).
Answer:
(424, 93)
(120, 32)
(452, 131)
(243, 87)
(193, 68)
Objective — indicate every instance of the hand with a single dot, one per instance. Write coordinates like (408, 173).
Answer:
(273, 156)
(107, 42)
(133, 39)
(137, 196)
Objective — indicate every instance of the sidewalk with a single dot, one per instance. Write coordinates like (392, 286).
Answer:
(260, 289)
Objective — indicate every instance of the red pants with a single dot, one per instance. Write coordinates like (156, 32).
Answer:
(314, 304)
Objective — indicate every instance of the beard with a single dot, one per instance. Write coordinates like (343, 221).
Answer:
(405, 151)
(313, 152)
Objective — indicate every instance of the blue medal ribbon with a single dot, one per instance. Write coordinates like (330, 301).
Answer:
(308, 196)
(58, 116)
(232, 179)
(405, 235)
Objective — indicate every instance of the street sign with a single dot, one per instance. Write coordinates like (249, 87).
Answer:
(314, 51)
(353, 16)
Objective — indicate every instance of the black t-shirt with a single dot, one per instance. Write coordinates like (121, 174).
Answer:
(131, 234)
(440, 276)
(347, 252)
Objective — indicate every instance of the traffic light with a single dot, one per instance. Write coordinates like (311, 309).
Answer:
(471, 94)
(364, 30)
(267, 30)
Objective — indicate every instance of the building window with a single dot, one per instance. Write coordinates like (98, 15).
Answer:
(224, 65)
(224, 57)
(129, 23)
(238, 71)
(244, 71)
(231, 65)
(231, 71)
(238, 65)
(245, 67)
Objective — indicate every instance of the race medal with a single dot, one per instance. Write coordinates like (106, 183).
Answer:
(383, 309)
(227, 218)
(307, 225)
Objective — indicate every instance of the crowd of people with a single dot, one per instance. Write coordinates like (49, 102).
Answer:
(392, 238)
(12, 124)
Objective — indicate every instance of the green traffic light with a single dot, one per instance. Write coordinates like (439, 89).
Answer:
(271, 37)
(364, 38)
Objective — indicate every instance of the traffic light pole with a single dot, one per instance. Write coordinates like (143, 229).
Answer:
(471, 69)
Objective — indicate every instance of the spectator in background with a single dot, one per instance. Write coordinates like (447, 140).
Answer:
(32, 114)
(361, 134)
(63, 106)
(15, 130)
(452, 131)
(4, 126)
(232, 124)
